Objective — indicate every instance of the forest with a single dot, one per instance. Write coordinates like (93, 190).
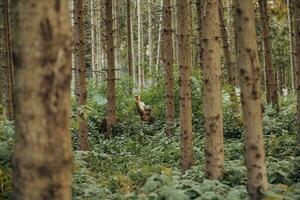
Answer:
(150, 99)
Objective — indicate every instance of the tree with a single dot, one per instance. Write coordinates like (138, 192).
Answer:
(227, 55)
(42, 160)
(150, 35)
(199, 5)
(80, 75)
(271, 85)
(250, 97)
(111, 72)
(129, 44)
(167, 42)
(212, 102)
(291, 22)
(140, 47)
(184, 63)
(8, 66)
(297, 63)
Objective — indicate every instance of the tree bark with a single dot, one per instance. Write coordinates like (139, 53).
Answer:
(140, 47)
(158, 57)
(80, 68)
(167, 42)
(129, 44)
(213, 119)
(250, 97)
(297, 64)
(111, 93)
(116, 21)
(42, 158)
(8, 66)
(271, 87)
(200, 4)
(150, 36)
(184, 62)
(227, 56)
(291, 22)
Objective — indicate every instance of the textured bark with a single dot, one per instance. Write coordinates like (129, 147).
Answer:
(158, 56)
(80, 68)
(111, 93)
(200, 4)
(291, 22)
(213, 119)
(167, 42)
(8, 66)
(271, 86)
(227, 56)
(2, 52)
(117, 41)
(129, 44)
(184, 62)
(150, 34)
(251, 99)
(140, 47)
(42, 160)
(226, 47)
(297, 64)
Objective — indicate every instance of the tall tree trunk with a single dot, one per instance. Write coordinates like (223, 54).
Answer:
(227, 57)
(184, 62)
(80, 68)
(250, 96)
(291, 22)
(174, 24)
(129, 44)
(8, 66)
(158, 57)
(226, 48)
(116, 21)
(297, 64)
(93, 40)
(150, 36)
(140, 46)
(167, 42)
(111, 93)
(200, 9)
(271, 87)
(42, 160)
(213, 119)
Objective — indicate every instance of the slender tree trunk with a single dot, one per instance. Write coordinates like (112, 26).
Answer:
(158, 57)
(111, 93)
(140, 46)
(213, 119)
(271, 87)
(129, 44)
(226, 47)
(200, 4)
(80, 68)
(174, 23)
(167, 42)
(227, 56)
(93, 40)
(8, 67)
(150, 36)
(250, 96)
(42, 160)
(184, 62)
(116, 21)
(2, 53)
(291, 23)
(297, 64)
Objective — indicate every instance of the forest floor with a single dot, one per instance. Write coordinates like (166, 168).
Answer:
(140, 162)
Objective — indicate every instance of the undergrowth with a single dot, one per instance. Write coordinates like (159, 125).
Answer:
(140, 162)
